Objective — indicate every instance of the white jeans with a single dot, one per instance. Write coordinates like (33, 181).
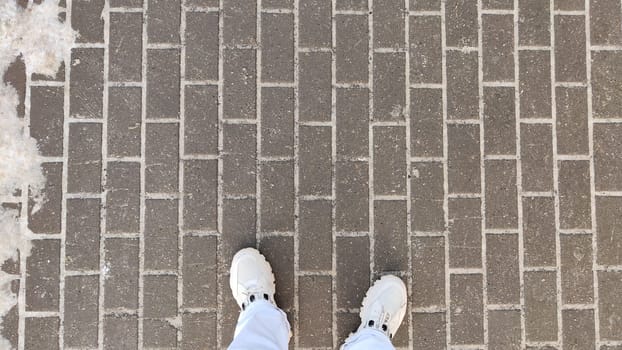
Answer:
(262, 326)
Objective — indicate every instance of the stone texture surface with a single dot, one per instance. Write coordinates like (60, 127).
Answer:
(472, 147)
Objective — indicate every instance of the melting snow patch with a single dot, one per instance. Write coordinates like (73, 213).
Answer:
(42, 40)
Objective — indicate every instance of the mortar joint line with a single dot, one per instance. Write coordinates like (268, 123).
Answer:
(408, 170)
(296, 165)
(333, 117)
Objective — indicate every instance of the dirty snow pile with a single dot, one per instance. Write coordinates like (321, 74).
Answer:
(42, 40)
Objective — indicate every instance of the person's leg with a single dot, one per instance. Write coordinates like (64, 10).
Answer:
(382, 313)
(261, 325)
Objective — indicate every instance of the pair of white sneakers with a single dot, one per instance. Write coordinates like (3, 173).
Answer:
(384, 305)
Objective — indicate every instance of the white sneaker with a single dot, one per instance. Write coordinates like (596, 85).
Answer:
(251, 278)
(384, 305)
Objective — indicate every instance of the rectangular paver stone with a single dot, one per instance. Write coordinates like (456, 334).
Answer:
(570, 5)
(200, 195)
(315, 86)
(429, 331)
(610, 305)
(277, 122)
(46, 119)
(539, 231)
(315, 320)
(123, 197)
(121, 283)
(239, 84)
(163, 21)
(201, 120)
(315, 23)
(461, 23)
(41, 333)
(501, 196)
(578, 329)
(161, 234)
(428, 260)
(352, 203)
(463, 173)
(279, 251)
(569, 44)
(357, 5)
(502, 265)
(352, 115)
(390, 233)
(574, 195)
(537, 157)
(277, 196)
(389, 86)
(352, 271)
(48, 218)
(504, 329)
(608, 157)
(86, 83)
(465, 227)
(533, 22)
(462, 85)
(82, 234)
(159, 334)
(125, 55)
(199, 330)
(540, 306)
(81, 311)
(239, 159)
(315, 235)
(426, 122)
(277, 54)
(160, 296)
(576, 269)
(605, 22)
(84, 164)
(535, 84)
(201, 47)
(239, 22)
(390, 167)
(352, 48)
(162, 158)
(572, 130)
(606, 75)
(200, 262)
(609, 226)
(425, 49)
(315, 166)
(238, 230)
(163, 81)
(498, 47)
(499, 121)
(388, 24)
(467, 318)
(120, 332)
(86, 19)
(427, 191)
(124, 126)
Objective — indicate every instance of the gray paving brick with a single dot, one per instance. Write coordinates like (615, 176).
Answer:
(229, 316)
(605, 22)
(201, 49)
(352, 271)
(425, 5)
(82, 234)
(124, 127)
(160, 296)
(428, 260)
(201, 120)
(315, 23)
(277, 196)
(578, 329)
(352, 48)
(200, 195)
(430, 331)
(199, 330)
(120, 332)
(239, 84)
(159, 334)
(572, 136)
(389, 87)
(200, 262)
(239, 22)
(498, 47)
(277, 122)
(461, 23)
(84, 164)
(202, 3)
(576, 269)
(463, 173)
(163, 74)
(86, 20)
(126, 3)
(86, 83)
(46, 119)
(502, 269)
(161, 158)
(504, 329)
(238, 229)
(81, 311)
(427, 192)
(48, 218)
(537, 157)
(467, 318)
(347, 323)
(606, 73)
(608, 157)
(465, 238)
(239, 159)
(163, 20)
(315, 320)
(161, 232)
(390, 252)
(315, 95)
(15, 76)
(42, 276)
(539, 231)
(501, 196)
(610, 316)
(498, 4)
(123, 197)
(574, 195)
(352, 203)
(388, 24)
(279, 251)
(425, 49)
(576, 5)
(426, 122)
(462, 85)
(569, 43)
(315, 235)
(499, 121)
(277, 4)
(121, 283)
(390, 166)
(534, 84)
(540, 306)
(41, 333)
(533, 22)
(277, 54)
(609, 242)
(352, 115)
(10, 328)
(126, 30)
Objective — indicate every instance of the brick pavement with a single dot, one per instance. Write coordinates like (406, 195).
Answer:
(472, 147)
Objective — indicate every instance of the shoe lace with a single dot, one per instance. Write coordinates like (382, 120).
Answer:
(379, 322)
(253, 293)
